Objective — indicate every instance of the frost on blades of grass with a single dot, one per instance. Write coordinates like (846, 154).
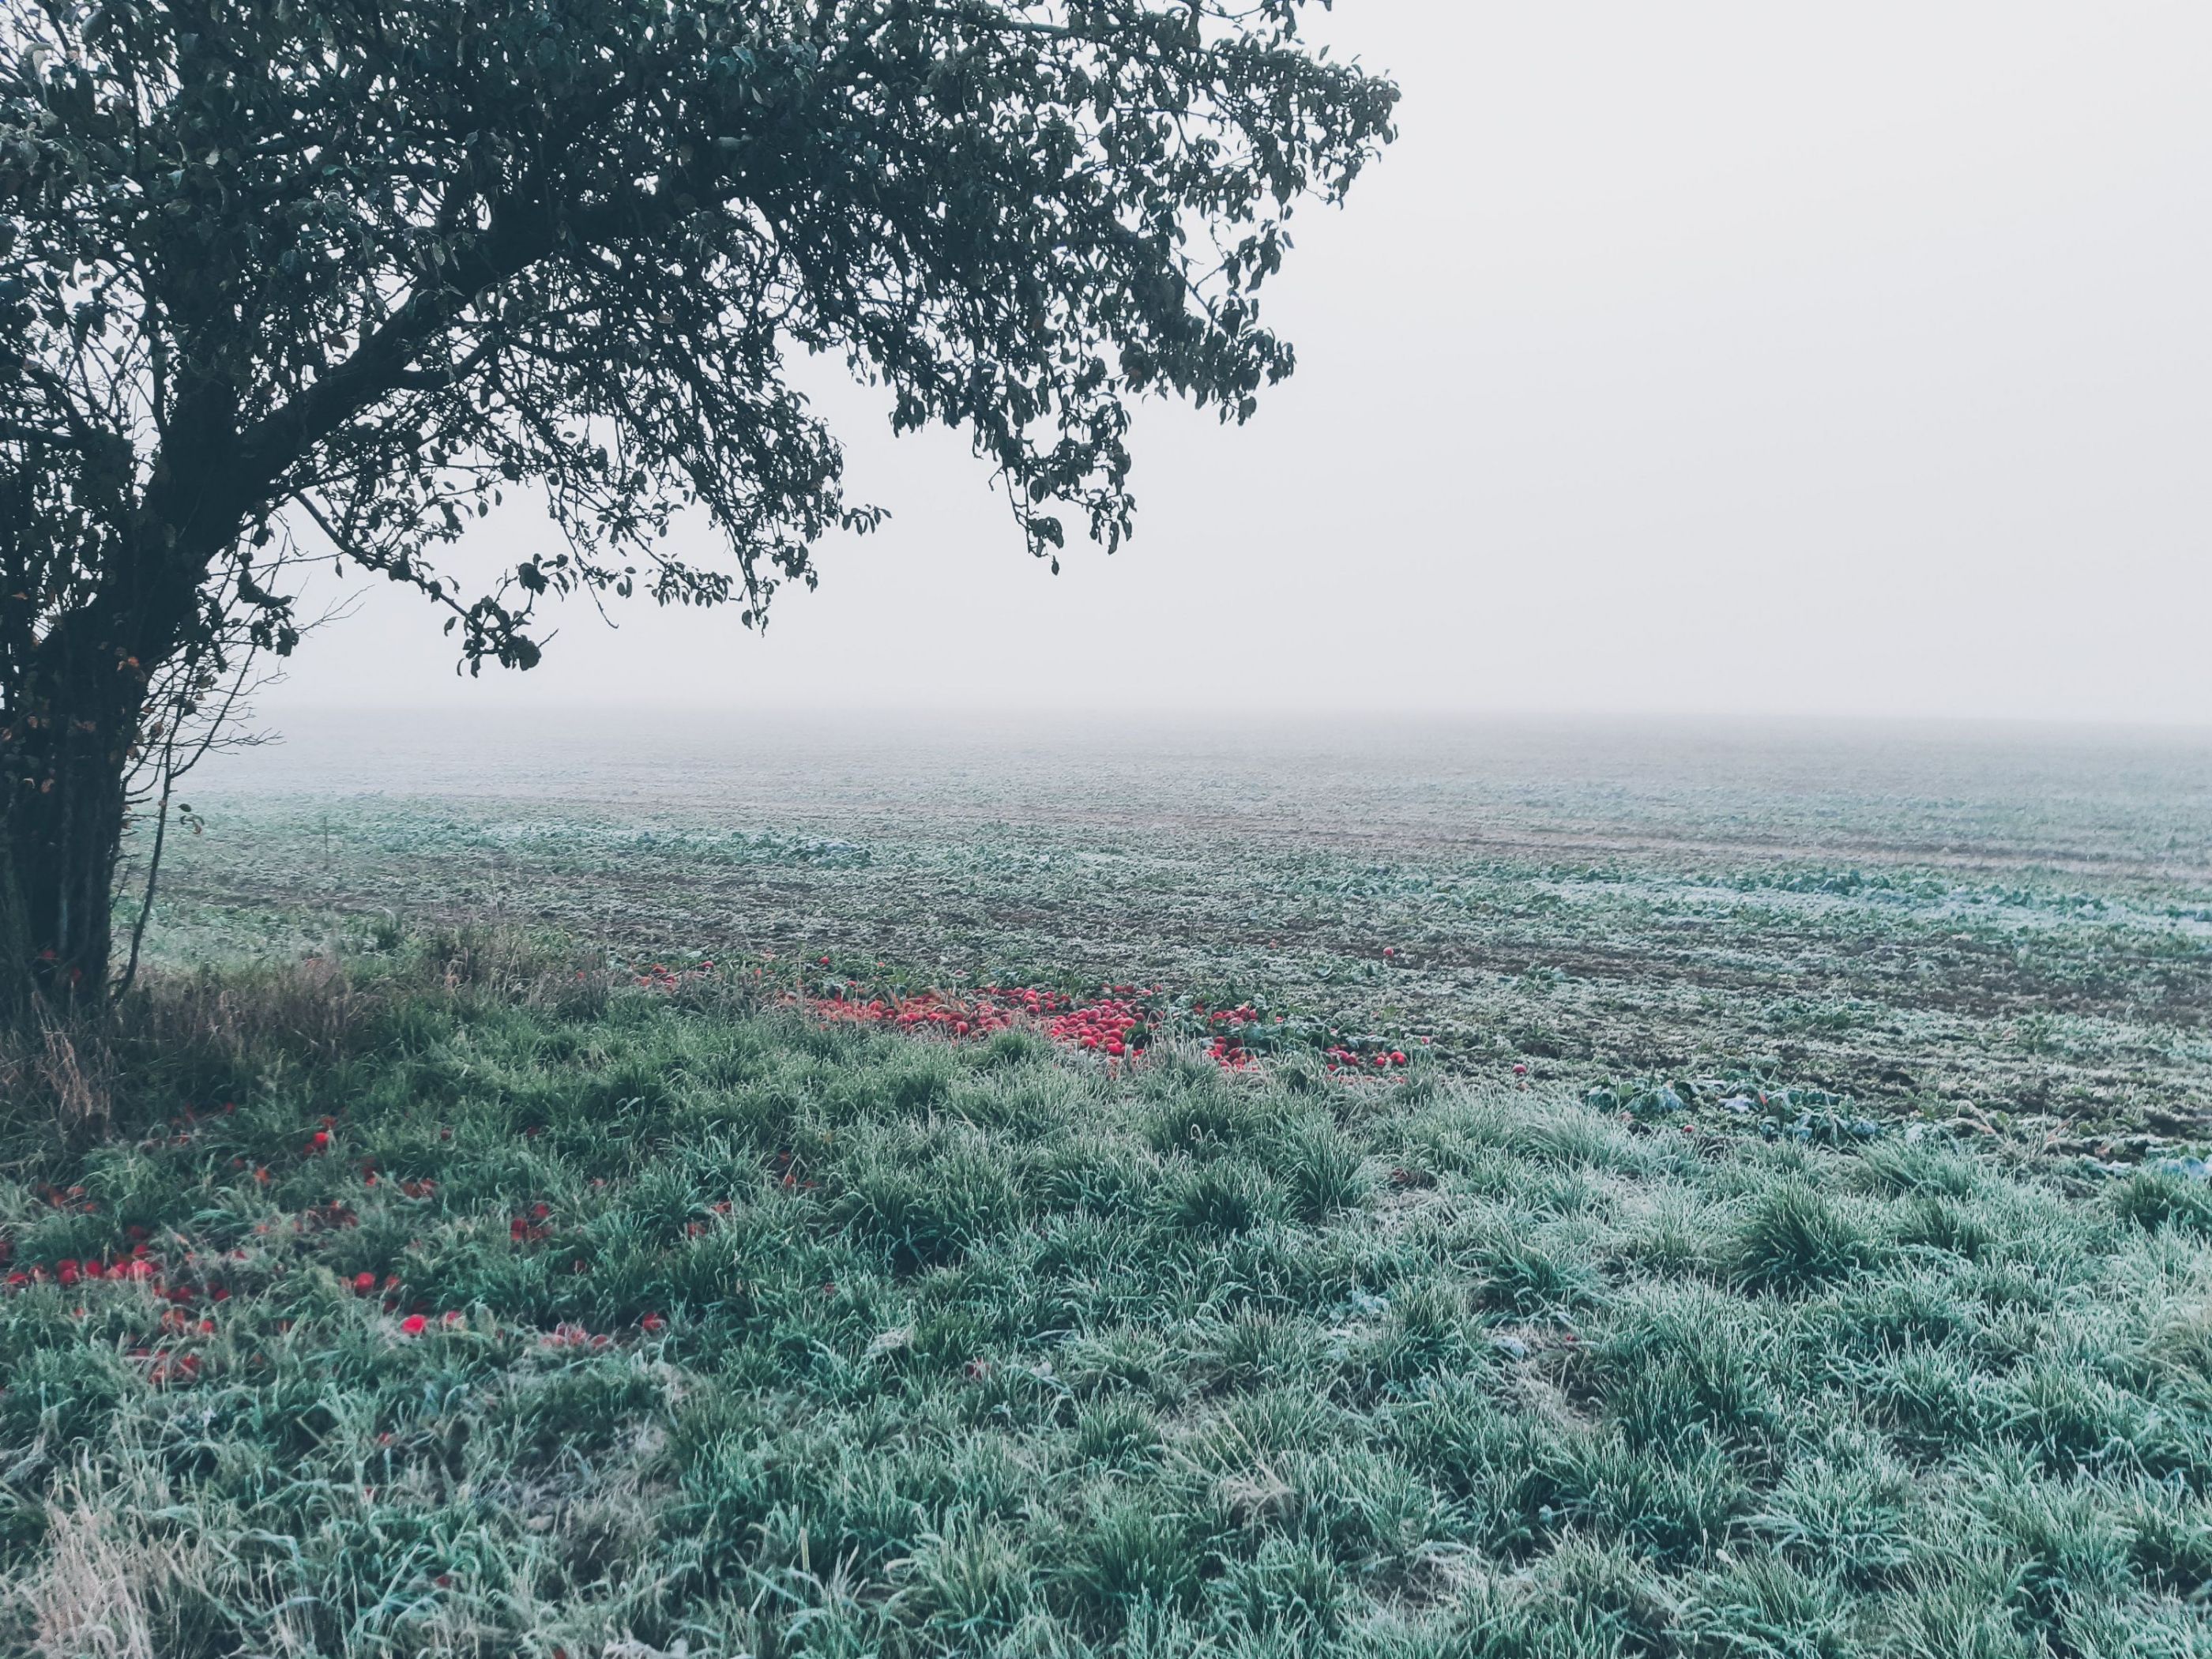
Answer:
(475, 1307)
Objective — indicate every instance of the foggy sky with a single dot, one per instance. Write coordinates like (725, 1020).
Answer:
(1729, 358)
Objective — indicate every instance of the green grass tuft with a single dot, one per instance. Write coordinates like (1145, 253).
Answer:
(1793, 1238)
(771, 1339)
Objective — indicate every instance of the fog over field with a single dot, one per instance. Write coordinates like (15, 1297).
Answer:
(2114, 800)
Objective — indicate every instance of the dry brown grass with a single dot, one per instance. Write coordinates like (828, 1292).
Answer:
(68, 1078)
(107, 1587)
(59, 1073)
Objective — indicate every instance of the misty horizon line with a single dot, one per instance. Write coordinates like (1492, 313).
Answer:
(1164, 714)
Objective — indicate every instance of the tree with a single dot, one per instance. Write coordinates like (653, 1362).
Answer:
(284, 280)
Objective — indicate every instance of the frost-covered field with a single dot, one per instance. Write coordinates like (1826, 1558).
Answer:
(2004, 930)
(537, 1289)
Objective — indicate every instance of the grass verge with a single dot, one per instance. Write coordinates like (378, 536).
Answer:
(481, 1308)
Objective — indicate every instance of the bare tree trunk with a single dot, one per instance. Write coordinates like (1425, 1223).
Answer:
(64, 751)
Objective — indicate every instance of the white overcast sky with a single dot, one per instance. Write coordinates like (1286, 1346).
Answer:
(1741, 358)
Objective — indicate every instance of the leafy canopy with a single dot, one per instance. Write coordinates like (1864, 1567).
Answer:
(369, 264)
